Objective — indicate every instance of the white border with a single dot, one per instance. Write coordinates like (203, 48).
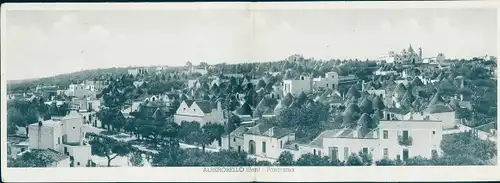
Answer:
(310, 174)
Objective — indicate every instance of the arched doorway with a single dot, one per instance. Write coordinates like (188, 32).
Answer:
(251, 147)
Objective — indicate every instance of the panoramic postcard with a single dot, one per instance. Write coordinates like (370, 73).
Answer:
(236, 88)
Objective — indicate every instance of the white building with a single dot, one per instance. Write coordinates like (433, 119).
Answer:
(201, 111)
(81, 91)
(201, 70)
(331, 80)
(137, 71)
(408, 56)
(392, 140)
(65, 136)
(295, 86)
(262, 141)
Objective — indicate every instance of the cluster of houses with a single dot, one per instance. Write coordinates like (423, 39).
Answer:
(410, 56)
(400, 133)
(60, 138)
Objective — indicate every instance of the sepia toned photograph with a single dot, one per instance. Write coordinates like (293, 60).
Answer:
(236, 88)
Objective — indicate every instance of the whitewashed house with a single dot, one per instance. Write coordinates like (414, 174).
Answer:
(295, 86)
(392, 139)
(331, 81)
(201, 111)
(65, 136)
(263, 141)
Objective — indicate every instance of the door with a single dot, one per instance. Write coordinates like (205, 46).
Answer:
(251, 147)
(406, 154)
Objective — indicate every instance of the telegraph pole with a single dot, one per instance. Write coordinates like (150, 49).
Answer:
(227, 123)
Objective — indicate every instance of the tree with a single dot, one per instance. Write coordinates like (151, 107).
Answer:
(418, 161)
(461, 144)
(214, 131)
(285, 159)
(136, 160)
(33, 158)
(234, 122)
(190, 131)
(366, 158)
(354, 160)
(261, 84)
(107, 147)
(312, 160)
(385, 162)
(22, 114)
(463, 113)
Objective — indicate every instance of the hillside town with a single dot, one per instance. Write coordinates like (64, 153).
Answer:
(402, 109)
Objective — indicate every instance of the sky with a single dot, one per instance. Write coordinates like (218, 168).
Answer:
(42, 43)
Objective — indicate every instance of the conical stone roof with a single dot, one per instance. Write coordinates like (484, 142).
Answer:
(244, 109)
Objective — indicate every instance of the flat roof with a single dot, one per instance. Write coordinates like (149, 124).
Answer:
(50, 123)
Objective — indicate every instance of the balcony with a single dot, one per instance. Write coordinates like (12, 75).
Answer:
(405, 141)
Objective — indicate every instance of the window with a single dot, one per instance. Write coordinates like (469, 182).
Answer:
(333, 86)
(264, 147)
(346, 153)
(398, 157)
(234, 139)
(319, 153)
(239, 148)
(84, 117)
(281, 144)
(386, 152)
(365, 150)
(405, 135)
(314, 151)
(386, 134)
(23, 149)
(194, 110)
(78, 163)
(184, 109)
(433, 132)
(73, 127)
(302, 78)
(58, 140)
(327, 85)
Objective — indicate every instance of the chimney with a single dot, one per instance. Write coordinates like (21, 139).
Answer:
(271, 131)
(355, 132)
(219, 106)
